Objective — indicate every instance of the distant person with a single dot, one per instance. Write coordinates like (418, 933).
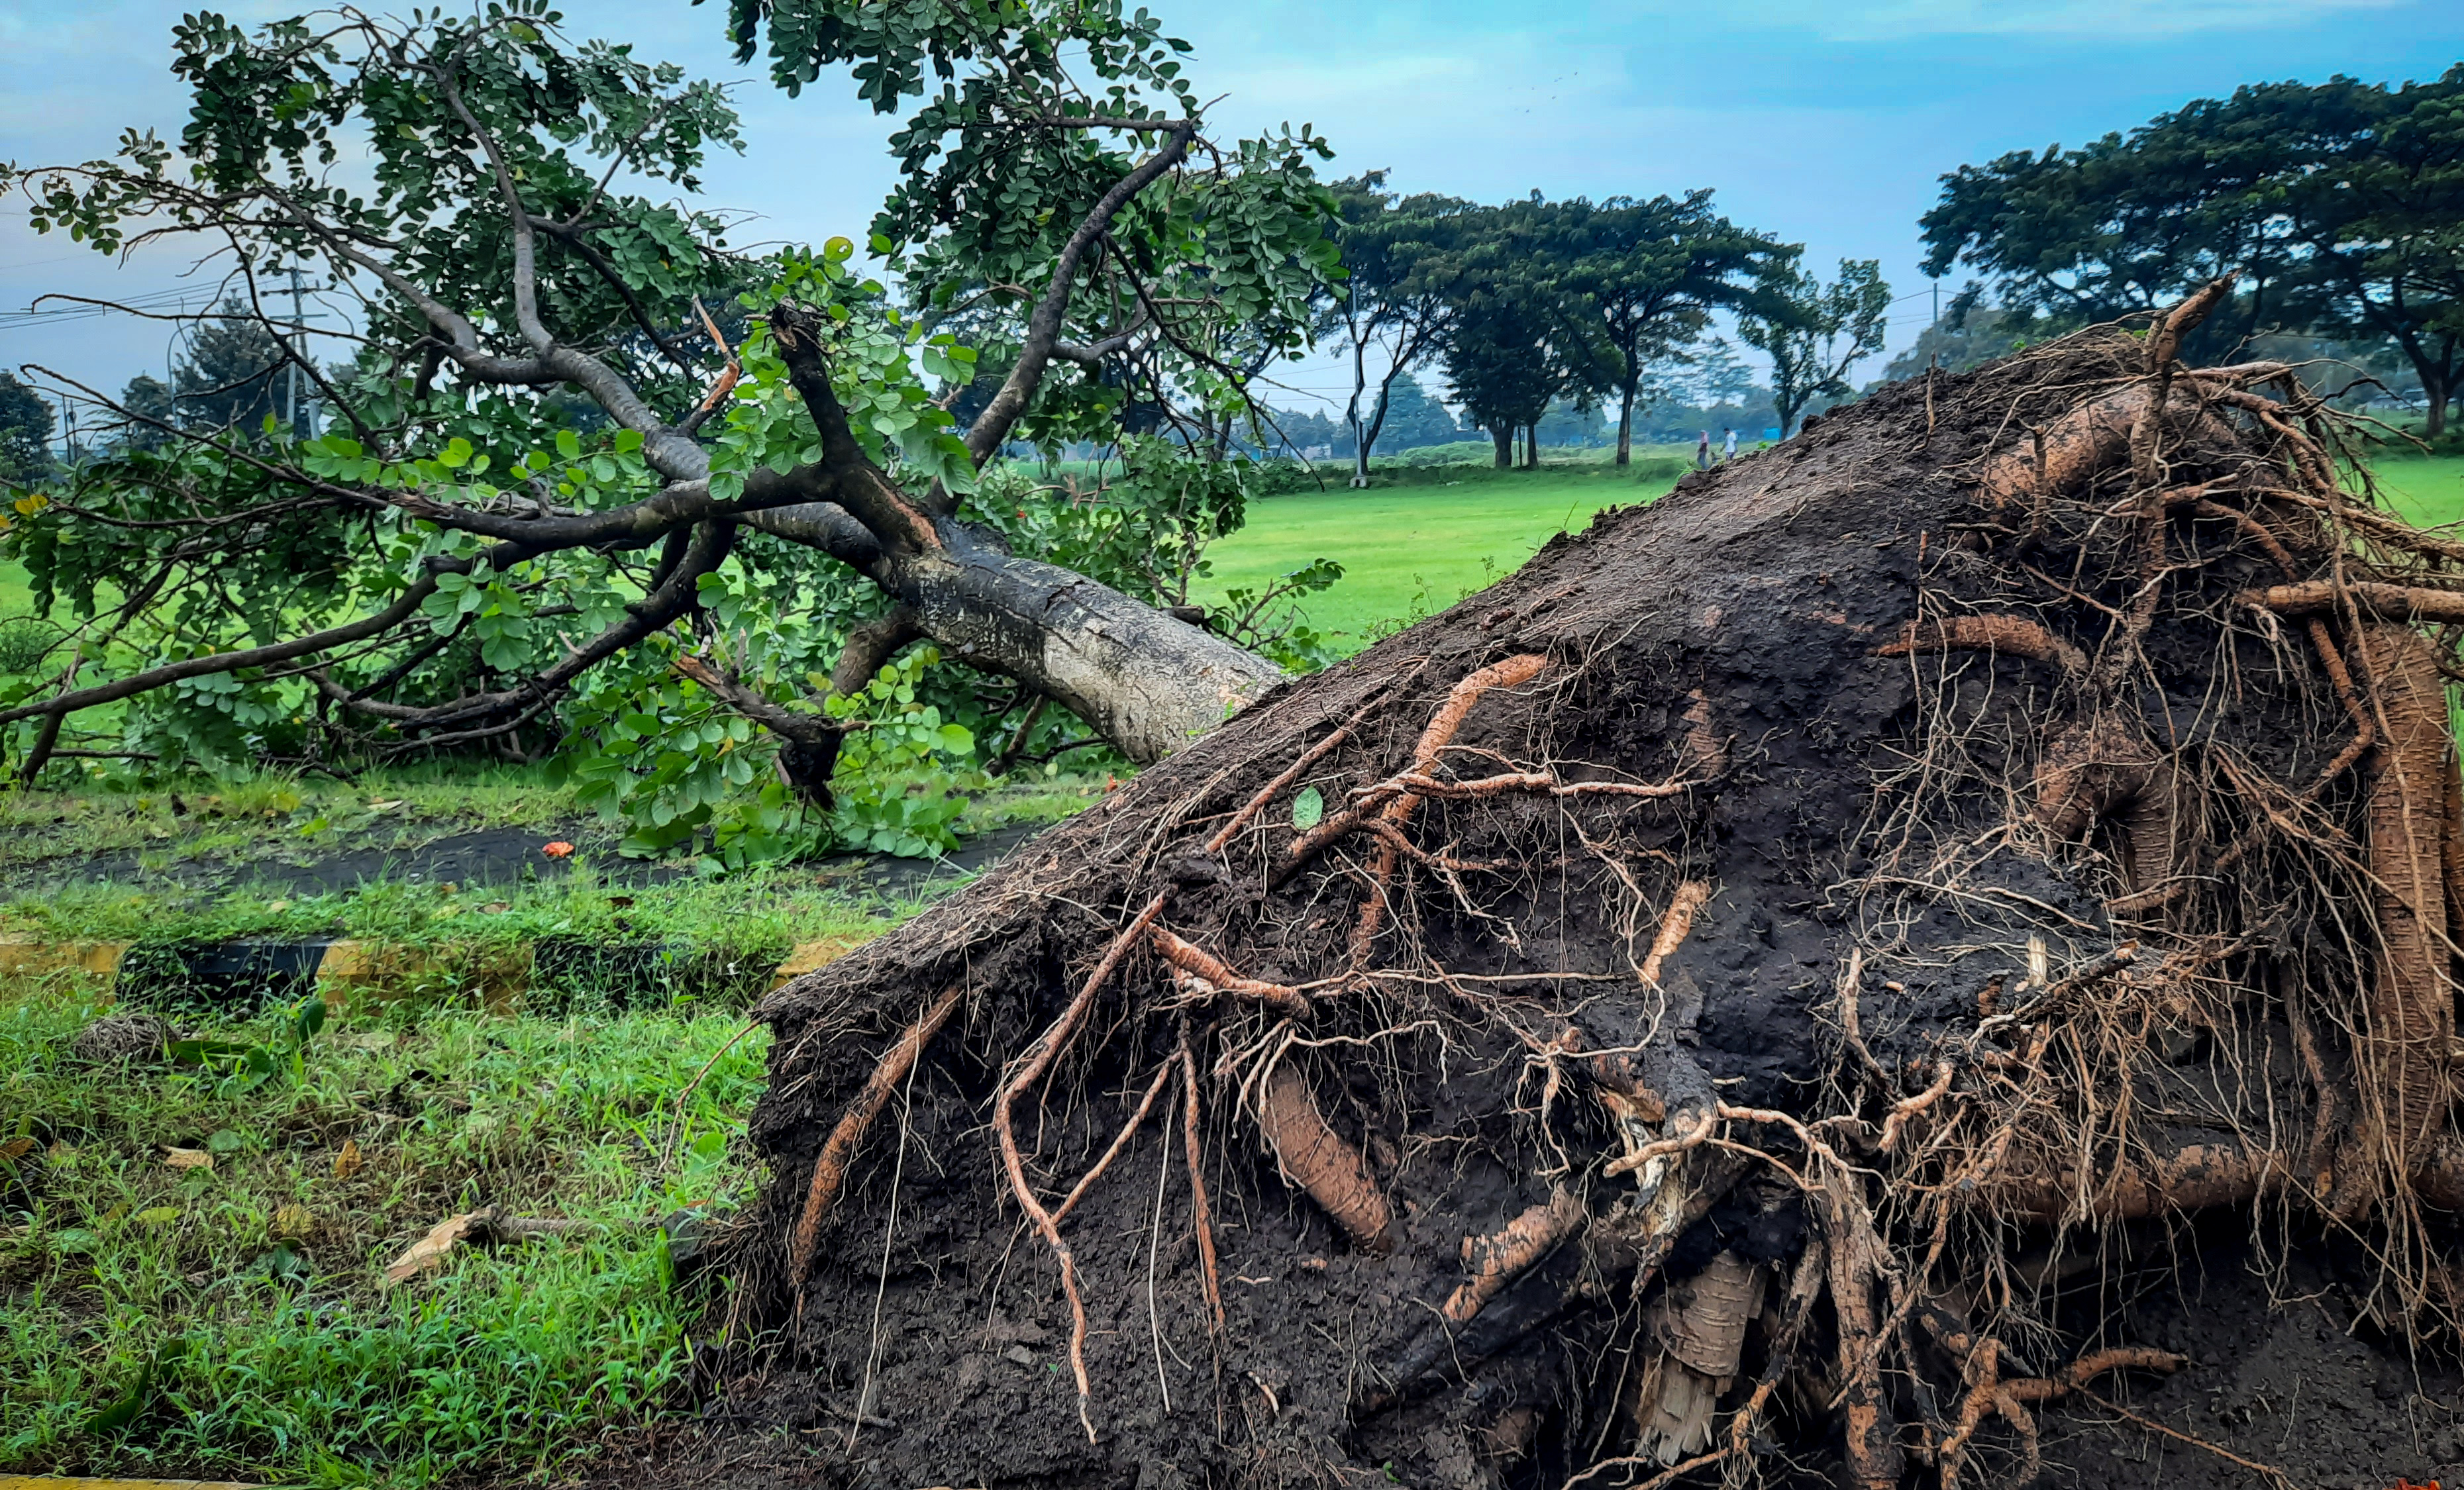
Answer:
(1729, 452)
(1703, 451)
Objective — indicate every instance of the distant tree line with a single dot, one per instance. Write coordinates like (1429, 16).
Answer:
(1534, 306)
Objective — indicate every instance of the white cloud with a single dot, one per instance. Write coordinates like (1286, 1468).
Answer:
(2116, 21)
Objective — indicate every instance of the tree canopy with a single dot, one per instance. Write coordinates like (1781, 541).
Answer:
(2334, 204)
(1813, 333)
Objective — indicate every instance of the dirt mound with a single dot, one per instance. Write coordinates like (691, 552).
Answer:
(1755, 993)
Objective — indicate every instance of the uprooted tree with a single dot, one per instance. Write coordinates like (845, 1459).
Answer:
(1672, 1015)
(577, 426)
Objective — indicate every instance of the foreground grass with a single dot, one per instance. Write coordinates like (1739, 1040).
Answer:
(1409, 551)
(230, 1320)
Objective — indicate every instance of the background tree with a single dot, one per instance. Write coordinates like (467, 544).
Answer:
(1505, 360)
(1813, 333)
(1403, 260)
(1415, 419)
(25, 432)
(460, 561)
(2334, 204)
(231, 378)
(152, 408)
(1968, 334)
(1645, 275)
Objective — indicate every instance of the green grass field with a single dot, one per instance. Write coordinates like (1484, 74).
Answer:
(1409, 551)
(2424, 489)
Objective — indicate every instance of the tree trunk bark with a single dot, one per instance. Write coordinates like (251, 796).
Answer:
(1140, 678)
(2436, 394)
(1532, 445)
(1502, 435)
(1625, 427)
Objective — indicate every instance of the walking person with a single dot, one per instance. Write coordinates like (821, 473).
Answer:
(1703, 451)
(1729, 452)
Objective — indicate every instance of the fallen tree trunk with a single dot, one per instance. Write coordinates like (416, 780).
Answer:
(1877, 856)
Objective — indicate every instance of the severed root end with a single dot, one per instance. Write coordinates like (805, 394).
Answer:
(1499, 1258)
(1697, 1332)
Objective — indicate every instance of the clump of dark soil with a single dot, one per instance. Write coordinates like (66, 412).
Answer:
(1910, 951)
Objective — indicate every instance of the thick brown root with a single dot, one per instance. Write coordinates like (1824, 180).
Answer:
(2404, 1055)
(1204, 975)
(1443, 728)
(1317, 1158)
(2194, 1177)
(829, 1168)
(2410, 603)
(1498, 1260)
(2011, 635)
(2067, 453)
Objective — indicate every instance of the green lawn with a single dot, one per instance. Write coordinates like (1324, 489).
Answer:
(2425, 489)
(1409, 551)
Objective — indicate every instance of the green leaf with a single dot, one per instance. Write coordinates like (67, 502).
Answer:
(1309, 809)
(568, 445)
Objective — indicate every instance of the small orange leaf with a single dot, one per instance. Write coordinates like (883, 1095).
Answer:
(347, 1162)
(428, 1254)
(189, 1159)
(560, 849)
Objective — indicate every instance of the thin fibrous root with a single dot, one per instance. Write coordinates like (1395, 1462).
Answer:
(1499, 1258)
(1903, 1111)
(1037, 1060)
(1203, 1213)
(1205, 974)
(1991, 1392)
(2011, 635)
(1309, 757)
(829, 1167)
(1370, 800)
(1120, 1141)
(1317, 1158)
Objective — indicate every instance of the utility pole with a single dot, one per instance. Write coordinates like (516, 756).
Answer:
(291, 416)
(298, 345)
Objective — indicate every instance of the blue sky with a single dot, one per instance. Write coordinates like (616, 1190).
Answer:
(1826, 123)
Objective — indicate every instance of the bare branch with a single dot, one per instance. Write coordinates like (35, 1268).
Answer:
(992, 428)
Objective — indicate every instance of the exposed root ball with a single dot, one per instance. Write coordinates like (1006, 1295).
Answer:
(1772, 971)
